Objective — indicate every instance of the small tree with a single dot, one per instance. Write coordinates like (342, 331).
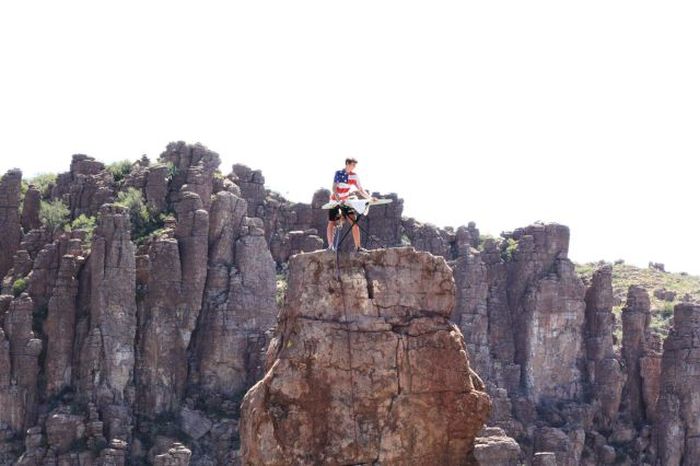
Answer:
(54, 214)
(44, 182)
(88, 224)
(120, 169)
(19, 286)
(132, 199)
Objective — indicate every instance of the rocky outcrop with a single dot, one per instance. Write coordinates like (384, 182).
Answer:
(640, 351)
(363, 366)
(59, 326)
(555, 311)
(106, 365)
(252, 184)
(19, 359)
(30, 209)
(494, 448)
(86, 187)
(677, 429)
(178, 455)
(192, 165)
(114, 354)
(10, 228)
(152, 181)
(604, 372)
(239, 301)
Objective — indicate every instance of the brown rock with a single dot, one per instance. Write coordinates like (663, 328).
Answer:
(193, 165)
(607, 454)
(174, 274)
(252, 184)
(604, 371)
(107, 354)
(239, 303)
(161, 360)
(567, 448)
(544, 459)
(428, 237)
(30, 209)
(60, 326)
(678, 429)
(10, 229)
(152, 181)
(18, 396)
(557, 308)
(192, 234)
(363, 365)
(178, 455)
(85, 187)
(640, 355)
(194, 423)
(494, 448)
(64, 429)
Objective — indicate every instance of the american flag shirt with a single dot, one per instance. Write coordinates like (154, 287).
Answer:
(345, 182)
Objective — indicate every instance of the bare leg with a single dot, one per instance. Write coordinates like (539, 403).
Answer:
(330, 233)
(355, 233)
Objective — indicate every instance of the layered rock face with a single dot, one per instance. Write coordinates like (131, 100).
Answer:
(19, 364)
(366, 367)
(106, 366)
(122, 348)
(86, 187)
(543, 343)
(10, 228)
(678, 426)
(115, 352)
(604, 371)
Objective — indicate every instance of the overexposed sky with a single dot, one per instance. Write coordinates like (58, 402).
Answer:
(501, 112)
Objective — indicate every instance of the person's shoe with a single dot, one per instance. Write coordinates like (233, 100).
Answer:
(331, 248)
(361, 249)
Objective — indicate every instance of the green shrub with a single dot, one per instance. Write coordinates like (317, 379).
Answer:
(22, 192)
(44, 182)
(172, 170)
(143, 221)
(482, 240)
(667, 311)
(281, 289)
(120, 169)
(508, 248)
(54, 214)
(138, 211)
(88, 224)
(19, 286)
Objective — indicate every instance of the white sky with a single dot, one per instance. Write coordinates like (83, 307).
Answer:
(501, 112)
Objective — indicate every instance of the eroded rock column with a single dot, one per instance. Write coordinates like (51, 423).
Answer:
(678, 426)
(366, 367)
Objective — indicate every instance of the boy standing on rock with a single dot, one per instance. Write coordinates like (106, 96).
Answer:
(343, 183)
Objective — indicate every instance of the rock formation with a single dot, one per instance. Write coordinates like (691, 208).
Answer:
(106, 367)
(10, 228)
(134, 343)
(86, 187)
(30, 209)
(678, 427)
(604, 371)
(641, 356)
(365, 367)
(19, 364)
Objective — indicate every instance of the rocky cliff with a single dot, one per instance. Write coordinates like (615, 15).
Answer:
(365, 367)
(121, 340)
(139, 306)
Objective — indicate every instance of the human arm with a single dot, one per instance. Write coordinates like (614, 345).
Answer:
(334, 192)
(362, 191)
